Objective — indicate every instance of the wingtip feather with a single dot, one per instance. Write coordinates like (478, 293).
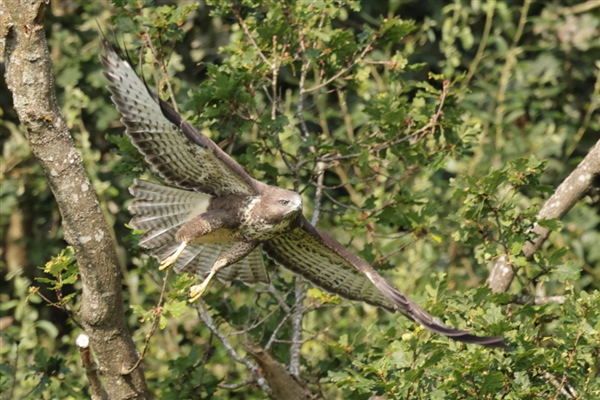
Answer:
(417, 314)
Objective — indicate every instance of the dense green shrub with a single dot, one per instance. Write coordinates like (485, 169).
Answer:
(425, 137)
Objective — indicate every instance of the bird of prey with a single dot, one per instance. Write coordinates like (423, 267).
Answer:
(216, 219)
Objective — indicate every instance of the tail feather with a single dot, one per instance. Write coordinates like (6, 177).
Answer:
(161, 211)
(153, 192)
(156, 238)
(246, 269)
(206, 253)
(147, 222)
(197, 259)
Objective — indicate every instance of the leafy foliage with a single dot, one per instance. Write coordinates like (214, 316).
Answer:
(438, 135)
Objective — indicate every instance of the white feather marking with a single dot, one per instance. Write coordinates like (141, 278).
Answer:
(201, 207)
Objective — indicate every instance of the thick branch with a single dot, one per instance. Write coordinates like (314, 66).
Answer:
(284, 385)
(210, 324)
(29, 77)
(577, 184)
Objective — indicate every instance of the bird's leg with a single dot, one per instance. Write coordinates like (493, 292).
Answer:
(199, 226)
(197, 290)
(172, 259)
(232, 255)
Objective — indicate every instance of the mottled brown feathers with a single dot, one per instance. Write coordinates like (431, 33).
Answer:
(175, 149)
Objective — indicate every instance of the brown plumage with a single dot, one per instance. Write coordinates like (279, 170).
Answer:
(217, 219)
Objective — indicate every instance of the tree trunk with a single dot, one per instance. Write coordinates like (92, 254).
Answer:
(29, 77)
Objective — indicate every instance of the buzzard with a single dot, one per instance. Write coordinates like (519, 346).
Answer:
(217, 220)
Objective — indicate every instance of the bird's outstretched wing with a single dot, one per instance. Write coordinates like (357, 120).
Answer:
(188, 159)
(173, 147)
(323, 261)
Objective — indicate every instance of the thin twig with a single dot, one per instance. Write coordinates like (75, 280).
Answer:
(579, 8)
(593, 106)
(482, 43)
(367, 48)
(155, 321)
(273, 337)
(258, 323)
(204, 315)
(236, 12)
(438, 113)
(163, 70)
(505, 74)
(91, 371)
(205, 356)
(537, 300)
(233, 386)
(301, 342)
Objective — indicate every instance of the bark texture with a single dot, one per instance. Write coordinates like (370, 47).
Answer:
(29, 77)
(570, 191)
(284, 385)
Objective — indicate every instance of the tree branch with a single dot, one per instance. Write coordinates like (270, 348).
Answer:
(204, 315)
(91, 371)
(29, 77)
(284, 385)
(566, 196)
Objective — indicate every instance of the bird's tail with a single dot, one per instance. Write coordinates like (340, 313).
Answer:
(161, 210)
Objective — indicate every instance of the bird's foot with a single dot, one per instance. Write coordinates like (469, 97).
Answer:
(197, 290)
(172, 259)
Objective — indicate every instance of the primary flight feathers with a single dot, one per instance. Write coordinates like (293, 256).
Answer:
(219, 217)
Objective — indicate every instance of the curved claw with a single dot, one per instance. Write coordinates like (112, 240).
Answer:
(197, 290)
(172, 259)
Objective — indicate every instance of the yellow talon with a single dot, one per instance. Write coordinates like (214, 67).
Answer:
(172, 259)
(197, 290)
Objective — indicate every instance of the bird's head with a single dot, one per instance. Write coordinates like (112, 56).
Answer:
(278, 205)
(288, 203)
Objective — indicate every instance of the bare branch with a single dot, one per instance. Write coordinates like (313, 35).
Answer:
(591, 109)
(204, 315)
(273, 338)
(573, 188)
(538, 300)
(155, 322)
(579, 8)
(91, 371)
(29, 77)
(233, 386)
(297, 315)
(359, 57)
(285, 385)
(162, 68)
(243, 25)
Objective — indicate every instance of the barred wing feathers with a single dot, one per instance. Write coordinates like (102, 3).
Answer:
(304, 254)
(161, 211)
(173, 147)
(323, 261)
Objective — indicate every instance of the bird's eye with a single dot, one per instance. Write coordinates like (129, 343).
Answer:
(284, 202)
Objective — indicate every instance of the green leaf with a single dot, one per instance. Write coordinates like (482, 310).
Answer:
(552, 224)
(567, 271)
(177, 308)
(163, 321)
